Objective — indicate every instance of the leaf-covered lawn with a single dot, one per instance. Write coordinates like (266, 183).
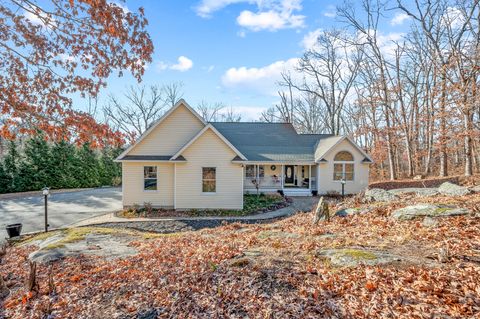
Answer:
(269, 271)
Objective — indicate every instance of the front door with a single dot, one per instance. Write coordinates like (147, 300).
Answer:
(289, 174)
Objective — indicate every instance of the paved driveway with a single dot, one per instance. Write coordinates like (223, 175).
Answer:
(63, 208)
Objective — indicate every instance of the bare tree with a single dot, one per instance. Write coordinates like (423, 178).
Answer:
(210, 112)
(172, 93)
(230, 115)
(329, 70)
(136, 110)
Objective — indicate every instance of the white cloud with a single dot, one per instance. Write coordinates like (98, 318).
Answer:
(330, 12)
(270, 20)
(207, 7)
(399, 18)
(270, 15)
(453, 18)
(310, 39)
(262, 80)
(183, 64)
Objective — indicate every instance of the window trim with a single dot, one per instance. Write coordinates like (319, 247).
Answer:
(343, 163)
(209, 179)
(156, 178)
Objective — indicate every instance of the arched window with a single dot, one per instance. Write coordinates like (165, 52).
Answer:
(343, 166)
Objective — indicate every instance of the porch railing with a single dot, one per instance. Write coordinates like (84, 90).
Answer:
(273, 182)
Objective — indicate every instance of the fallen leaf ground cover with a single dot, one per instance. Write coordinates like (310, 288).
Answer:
(269, 271)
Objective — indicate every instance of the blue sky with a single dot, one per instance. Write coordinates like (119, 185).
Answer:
(231, 51)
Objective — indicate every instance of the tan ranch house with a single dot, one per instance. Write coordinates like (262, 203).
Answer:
(183, 162)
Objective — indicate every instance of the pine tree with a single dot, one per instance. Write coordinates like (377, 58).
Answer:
(110, 172)
(5, 180)
(36, 169)
(11, 163)
(87, 168)
(63, 161)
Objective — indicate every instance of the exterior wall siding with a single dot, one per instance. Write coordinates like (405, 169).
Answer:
(325, 180)
(170, 135)
(132, 184)
(208, 151)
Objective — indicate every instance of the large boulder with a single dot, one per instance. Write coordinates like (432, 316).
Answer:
(379, 195)
(475, 189)
(352, 257)
(451, 189)
(430, 210)
(423, 192)
(351, 211)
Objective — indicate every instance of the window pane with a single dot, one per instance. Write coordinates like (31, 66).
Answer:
(261, 171)
(343, 156)
(149, 172)
(337, 172)
(349, 172)
(150, 184)
(208, 186)
(208, 172)
(250, 171)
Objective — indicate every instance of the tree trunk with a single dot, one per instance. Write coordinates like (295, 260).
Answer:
(443, 125)
(468, 144)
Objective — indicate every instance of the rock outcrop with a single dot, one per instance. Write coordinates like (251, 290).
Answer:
(430, 210)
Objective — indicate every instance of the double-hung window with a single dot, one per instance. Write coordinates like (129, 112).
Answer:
(209, 179)
(150, 178)
(343, 166)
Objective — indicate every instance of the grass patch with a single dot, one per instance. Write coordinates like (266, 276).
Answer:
(54, 246)
(441, 210)
(73, 235)
(357, 254)
(38, 237)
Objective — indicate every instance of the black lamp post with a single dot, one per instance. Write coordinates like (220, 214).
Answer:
(46, 191)
(343, 187)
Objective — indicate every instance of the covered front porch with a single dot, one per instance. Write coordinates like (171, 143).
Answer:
(292, 179)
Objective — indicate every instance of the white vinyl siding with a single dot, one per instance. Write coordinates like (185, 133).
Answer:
(209, 151)
(325, 180)
(133, 184)
(170, 135)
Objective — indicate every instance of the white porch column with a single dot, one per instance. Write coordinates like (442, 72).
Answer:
(309, 177)
(282, 178)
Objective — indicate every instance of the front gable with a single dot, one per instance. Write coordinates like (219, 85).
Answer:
(178, 126)
(326, 151)
(210, 130)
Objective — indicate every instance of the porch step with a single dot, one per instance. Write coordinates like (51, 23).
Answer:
(297, 192)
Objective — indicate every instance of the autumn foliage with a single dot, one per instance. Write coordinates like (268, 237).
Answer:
(52, 52)
(270, 271)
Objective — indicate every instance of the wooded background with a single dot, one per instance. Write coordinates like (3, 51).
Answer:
(411, 101)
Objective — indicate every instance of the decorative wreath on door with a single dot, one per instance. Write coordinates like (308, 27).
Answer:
(273, 167)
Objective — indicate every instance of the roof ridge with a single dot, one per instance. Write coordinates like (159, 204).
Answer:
(251, 122)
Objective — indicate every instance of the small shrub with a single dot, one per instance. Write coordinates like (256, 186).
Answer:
(116, 181)
(147, 209)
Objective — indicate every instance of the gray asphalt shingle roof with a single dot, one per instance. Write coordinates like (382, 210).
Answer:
(270, 141)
